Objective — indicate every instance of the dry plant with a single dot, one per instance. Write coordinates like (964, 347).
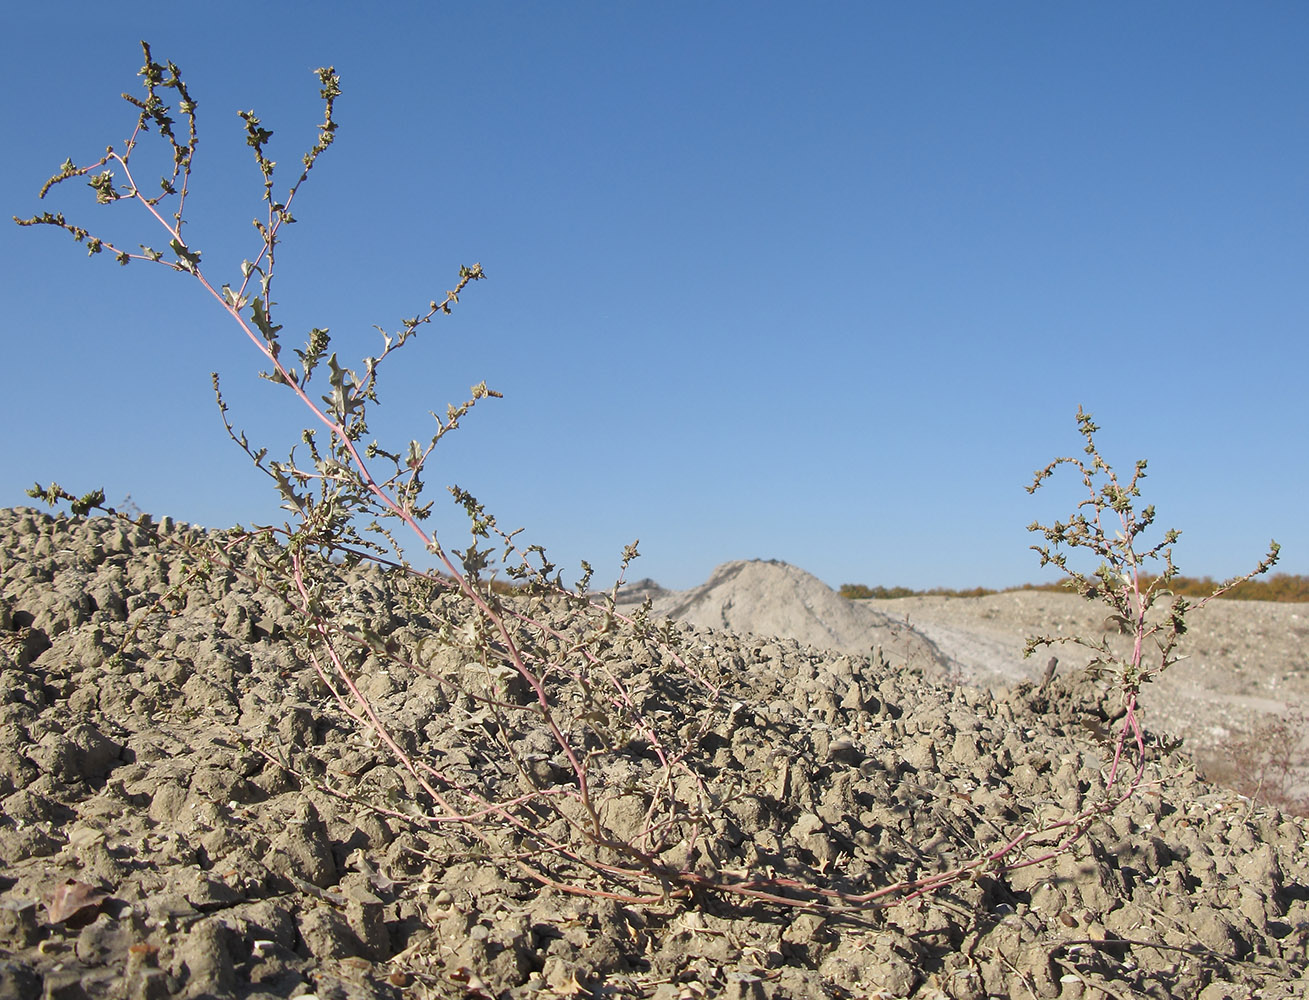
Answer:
(1266, 763)
(539, 682)
(1108, 525)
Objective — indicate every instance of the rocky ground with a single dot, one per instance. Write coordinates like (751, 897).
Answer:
(199, 817)
(1243, 682)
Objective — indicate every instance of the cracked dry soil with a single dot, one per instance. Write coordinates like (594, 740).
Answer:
(164, 832)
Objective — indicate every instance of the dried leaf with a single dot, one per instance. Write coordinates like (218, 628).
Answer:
(471, 981)
(74, 902)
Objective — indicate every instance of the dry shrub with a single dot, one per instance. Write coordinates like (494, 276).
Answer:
(1267, 763)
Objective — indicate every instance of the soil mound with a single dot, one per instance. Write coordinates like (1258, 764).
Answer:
(773, 598)
(188, 819)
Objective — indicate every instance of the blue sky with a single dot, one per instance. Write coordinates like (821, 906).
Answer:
(815, 282)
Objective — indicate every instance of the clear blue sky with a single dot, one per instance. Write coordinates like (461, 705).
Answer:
(815, 282)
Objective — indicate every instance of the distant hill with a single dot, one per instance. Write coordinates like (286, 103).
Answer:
(772, 598)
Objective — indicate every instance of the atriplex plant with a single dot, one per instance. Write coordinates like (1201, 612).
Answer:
(339, 504)
(537, 682)
(1109, 526)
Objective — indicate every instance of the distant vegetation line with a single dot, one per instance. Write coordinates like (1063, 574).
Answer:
(1279, 587)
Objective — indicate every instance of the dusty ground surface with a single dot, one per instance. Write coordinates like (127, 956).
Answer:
(199, 817)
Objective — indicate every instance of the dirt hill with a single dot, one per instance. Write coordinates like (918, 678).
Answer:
(772, 598)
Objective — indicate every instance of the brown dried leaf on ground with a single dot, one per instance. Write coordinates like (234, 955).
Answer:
(74, 903)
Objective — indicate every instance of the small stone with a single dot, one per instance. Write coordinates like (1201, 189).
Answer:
(18, 925)
(206, 956)
(327, 934)
(845, 751)
(18, 981)
(64, 985)
(148, 984)
(303, 850)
